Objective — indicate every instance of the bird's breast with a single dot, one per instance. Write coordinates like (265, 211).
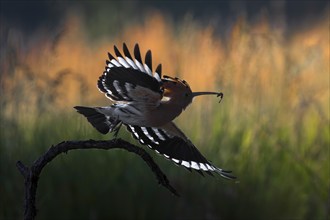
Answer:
(163, 114)
(146, 117)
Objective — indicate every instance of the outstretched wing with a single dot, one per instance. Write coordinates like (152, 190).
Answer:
(170, 142)
(130, 80)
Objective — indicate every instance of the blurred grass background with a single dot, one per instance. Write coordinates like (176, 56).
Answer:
(271, 129)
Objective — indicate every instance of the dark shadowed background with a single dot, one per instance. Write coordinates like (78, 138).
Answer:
(269, 58)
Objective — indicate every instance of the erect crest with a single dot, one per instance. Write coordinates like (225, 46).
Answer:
(175, 80)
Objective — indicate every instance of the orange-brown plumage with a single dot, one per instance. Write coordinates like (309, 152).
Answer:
(147, 103)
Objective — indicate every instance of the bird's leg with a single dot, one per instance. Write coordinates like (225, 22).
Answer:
(117, 128)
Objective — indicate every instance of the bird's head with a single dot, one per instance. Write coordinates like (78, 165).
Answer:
(178, 92)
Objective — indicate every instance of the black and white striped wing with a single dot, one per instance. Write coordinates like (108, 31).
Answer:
(176, 147)
(128, 79)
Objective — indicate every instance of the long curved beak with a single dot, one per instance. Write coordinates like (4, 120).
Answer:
(219, 94)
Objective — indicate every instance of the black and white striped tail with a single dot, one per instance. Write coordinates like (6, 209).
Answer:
(100, 121)
(176, 149)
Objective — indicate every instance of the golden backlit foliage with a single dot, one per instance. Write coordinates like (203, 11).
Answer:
(256, 67)
(271, 129)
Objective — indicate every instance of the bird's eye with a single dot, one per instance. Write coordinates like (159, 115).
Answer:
(186, 94)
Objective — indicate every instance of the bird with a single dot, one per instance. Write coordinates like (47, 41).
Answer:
(146, 103)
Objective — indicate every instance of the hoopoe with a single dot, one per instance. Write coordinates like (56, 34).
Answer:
(147, 103)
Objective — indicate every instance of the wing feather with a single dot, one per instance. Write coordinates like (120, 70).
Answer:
(131, 81)
(158, 72)
(170, 142)
(138, 60)
(148, 63)
(121, 60)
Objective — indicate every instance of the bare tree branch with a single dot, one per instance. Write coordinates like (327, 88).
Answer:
(31, 174)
